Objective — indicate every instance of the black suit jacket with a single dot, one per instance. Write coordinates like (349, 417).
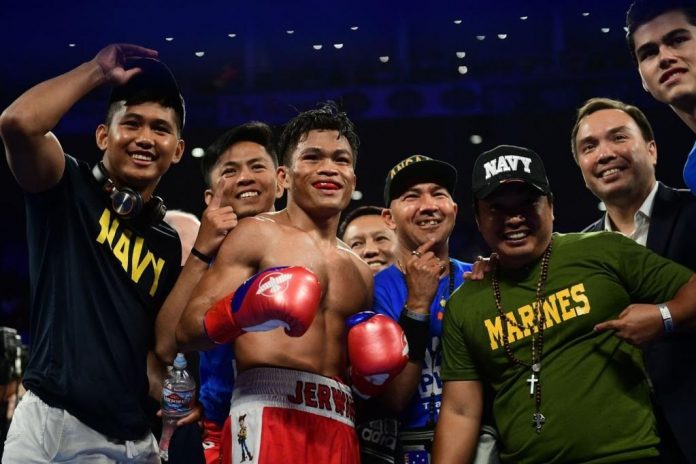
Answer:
(671, 362)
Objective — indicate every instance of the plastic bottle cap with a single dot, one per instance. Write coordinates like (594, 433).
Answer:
(180, 361)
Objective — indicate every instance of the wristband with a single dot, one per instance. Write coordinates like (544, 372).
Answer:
(414, 315)
(416, 327)
(666, 317)
(203, 257)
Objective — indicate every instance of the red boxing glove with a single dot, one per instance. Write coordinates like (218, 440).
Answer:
(377, 350)
(277, 297)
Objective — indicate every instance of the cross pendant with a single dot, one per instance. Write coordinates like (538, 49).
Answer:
(532, 381)
(538, 420)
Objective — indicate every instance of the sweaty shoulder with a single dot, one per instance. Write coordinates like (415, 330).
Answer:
(357, 261)
(347, 251)
(360, 265)
(274, 222)
(249, 237)
(257, 226)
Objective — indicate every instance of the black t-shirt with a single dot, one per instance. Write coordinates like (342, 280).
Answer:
(97, 282)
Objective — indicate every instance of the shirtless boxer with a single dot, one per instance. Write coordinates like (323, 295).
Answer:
(242, 177)
(294, 380)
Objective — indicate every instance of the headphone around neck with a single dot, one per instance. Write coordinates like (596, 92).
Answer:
(127, 202)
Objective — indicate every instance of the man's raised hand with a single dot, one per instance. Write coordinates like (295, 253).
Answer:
(112, 59)
(481, 267)
(216, 222)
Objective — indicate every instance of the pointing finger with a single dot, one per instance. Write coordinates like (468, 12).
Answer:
(424, 248)
(218, 193)
(607, 325)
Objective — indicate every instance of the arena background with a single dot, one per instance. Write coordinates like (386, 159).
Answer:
(447, 79)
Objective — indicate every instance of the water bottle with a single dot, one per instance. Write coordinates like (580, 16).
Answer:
(178, 399)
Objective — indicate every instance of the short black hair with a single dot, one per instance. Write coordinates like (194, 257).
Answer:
(643, 11)
(253, 131)
(326, 117)
(360, 211)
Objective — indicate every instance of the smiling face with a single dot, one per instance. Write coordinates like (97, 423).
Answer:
(372, 240)
(321, 177)
(516, 222)
(252, 181)
(139, 144)
(617, 163)
(423, 212)
(665, 49)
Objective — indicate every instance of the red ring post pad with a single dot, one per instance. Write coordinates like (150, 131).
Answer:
(377, 350)
(285, 297)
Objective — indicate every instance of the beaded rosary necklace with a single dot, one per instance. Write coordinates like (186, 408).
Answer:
(534, 380)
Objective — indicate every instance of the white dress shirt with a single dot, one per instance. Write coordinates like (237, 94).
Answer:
(641, 219)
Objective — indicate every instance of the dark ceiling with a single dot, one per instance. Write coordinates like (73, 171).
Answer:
(421, 39)
(528, 65)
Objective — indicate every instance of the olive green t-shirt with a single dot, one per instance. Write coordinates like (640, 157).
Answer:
(593, 386)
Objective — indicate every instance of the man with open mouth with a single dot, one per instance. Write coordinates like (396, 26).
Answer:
(102, 260)
(552, 330)
(418, 195)
(243, 179)
(297, 292)
(615, 147)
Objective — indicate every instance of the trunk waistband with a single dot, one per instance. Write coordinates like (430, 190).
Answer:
(293, 389)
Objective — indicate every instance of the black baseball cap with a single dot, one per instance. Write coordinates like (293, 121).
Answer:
(155, 82)
(508, 163)
(418, 169)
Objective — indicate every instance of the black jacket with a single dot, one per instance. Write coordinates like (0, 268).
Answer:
(671, 362)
